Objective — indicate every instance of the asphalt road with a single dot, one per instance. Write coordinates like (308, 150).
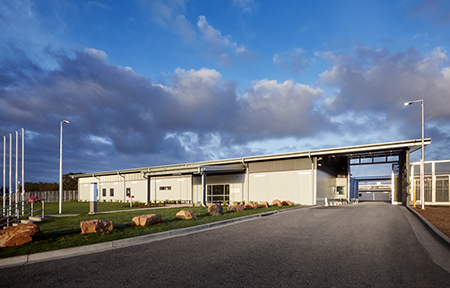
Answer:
(365, 245)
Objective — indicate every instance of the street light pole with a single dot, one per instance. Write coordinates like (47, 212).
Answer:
(60, 166)
(422, 161)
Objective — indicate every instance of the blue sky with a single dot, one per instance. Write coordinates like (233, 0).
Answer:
(148, 83)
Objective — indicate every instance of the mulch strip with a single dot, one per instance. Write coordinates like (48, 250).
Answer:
(439, 216)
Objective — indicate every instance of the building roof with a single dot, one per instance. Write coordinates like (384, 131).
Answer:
(358, 151)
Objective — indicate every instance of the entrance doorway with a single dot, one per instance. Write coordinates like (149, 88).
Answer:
(218, 193)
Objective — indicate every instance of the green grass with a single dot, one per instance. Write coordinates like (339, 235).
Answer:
(75, 207)
(65, 232)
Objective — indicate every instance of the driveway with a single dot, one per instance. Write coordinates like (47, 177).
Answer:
(362, 245)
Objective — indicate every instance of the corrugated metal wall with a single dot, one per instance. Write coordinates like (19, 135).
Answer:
(280, 165)
(138, 190)
(283, 185)
(171, 188)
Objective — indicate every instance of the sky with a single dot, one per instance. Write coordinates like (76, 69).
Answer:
(154, 82)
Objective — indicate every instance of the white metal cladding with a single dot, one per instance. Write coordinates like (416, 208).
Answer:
(171, 188)
(280, 165)
(83, 191)
(325, 185)
(138, 190)
(287, 185)
(196, 189)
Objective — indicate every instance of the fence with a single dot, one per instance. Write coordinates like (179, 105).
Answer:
(51, 196)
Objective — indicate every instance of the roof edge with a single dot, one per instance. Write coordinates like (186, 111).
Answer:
(167, 169)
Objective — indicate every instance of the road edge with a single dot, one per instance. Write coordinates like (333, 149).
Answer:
(436, 232)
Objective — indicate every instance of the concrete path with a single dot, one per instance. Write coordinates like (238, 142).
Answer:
(367, 245)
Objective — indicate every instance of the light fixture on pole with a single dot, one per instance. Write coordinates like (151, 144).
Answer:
(60, 166)
(422, 169)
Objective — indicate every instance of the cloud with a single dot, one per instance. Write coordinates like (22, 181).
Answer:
(171, 15)
(292, 60)
(30, 31)
(245, 6)
(433, 9)
(379, 80)
(97, 54)
(116, 113)
(121, 119)
(218, 42)
(369, 87)
(276, 109)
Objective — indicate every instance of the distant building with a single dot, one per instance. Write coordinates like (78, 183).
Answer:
(302, 177)
(375, 192)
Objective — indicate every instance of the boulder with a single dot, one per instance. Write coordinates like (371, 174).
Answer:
(276, 203)
(18, 235)
(215, 209)
(96, 226)
(235, 207)
(146, 220)
(264, 204)
(287, 203)
(186, 214)
(250, 206)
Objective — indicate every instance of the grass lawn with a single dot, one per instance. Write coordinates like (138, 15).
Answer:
(64, 232)
(75, 207)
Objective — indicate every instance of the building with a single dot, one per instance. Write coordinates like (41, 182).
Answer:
(302, 177)
(437, 179)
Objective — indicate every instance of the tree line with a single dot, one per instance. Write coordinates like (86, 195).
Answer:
(68, 184)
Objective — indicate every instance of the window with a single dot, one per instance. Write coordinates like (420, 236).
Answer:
(111, 192)
(165, 187)
(128, 192)
(340, 190)
(218, 193)
(104, 192)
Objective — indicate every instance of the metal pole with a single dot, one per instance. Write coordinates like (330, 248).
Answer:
(4, 175)
(60, 169)
(10, 162)
(422, 163)
(23, 168)
(17, 173)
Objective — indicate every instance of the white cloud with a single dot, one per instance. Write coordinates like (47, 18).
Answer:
(246, 6)
(389, 80)
(98, 54)
(218, 42)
